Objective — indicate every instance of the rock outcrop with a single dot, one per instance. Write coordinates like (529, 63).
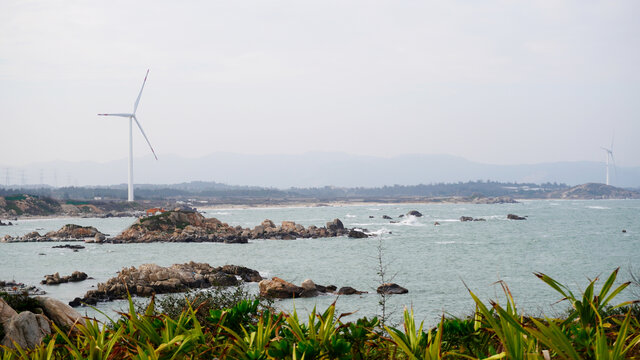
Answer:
(187, 226)
(26, 329)
(415, 213)
(150, 279)
(69, 232)
(348, 290)
(354, 233)
(6, 313)
(68, 246)
(515, 217)
(279, 288)
(55, 279)
(391, 288)
(191, 226)
(282, 289)
(60, 313)
(13, 288)
(469, 218)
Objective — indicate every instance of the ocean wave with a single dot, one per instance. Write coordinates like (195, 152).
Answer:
(410, 221)
(219, 213)
(445, 242)
(350, 216)
(379, 232)
(599, 207)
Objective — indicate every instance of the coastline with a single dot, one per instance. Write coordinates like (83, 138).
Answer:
(294, 204)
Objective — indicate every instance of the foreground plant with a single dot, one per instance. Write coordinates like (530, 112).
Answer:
(592, 330)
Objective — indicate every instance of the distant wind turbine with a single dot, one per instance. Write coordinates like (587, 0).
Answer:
(132, 117)
(609, 153)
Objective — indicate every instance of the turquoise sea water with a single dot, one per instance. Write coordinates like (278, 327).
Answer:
(571, 241)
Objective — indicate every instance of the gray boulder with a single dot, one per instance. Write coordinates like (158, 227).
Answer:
(348, 290)
(26, 329)
(6, 312)
(60, 313)
(353, 233)
(334, 225)
(391, 288)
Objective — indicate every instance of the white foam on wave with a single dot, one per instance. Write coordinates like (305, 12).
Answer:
(351, 216)
(361, 224)
(379, 232)
(374, 209)
(447, 220)
(410, 221)
(599, 207)
(445, 242)
(218, 213)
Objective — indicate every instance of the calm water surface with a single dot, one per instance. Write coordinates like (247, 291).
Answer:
(571, 241)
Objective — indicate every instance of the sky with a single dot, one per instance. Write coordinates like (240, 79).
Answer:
(498, 82)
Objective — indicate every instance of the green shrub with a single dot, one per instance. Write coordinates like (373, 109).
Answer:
(21, 302)
(205, 301)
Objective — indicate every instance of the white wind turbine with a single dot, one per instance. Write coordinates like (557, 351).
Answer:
(609, 153)
(132, 117)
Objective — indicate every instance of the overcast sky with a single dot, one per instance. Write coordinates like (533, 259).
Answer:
(502, 82)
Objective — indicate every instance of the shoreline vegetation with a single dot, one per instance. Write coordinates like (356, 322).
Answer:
(232, 324)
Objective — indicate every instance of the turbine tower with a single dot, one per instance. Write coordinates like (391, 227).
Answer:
(132, 117)
(609, 153)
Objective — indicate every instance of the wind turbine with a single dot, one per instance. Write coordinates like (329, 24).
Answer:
(132, 117)
(609, 153)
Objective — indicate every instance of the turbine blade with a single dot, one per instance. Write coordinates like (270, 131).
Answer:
(145, 136)
(611, 148)
(121, 115)
(135, 106)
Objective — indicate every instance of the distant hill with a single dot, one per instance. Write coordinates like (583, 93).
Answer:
(318, 169)
(108, 199)
(595, 191)
(21, 204)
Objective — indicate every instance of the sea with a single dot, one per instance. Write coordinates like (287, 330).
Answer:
(573, 241)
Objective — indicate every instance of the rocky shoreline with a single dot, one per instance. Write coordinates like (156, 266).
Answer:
(151, 279)
(148, 279)
(186, 226)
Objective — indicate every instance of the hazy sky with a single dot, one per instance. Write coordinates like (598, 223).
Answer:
(501, 82)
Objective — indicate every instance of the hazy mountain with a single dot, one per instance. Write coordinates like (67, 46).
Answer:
(314, 169)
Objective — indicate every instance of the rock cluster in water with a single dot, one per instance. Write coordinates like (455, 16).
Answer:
(282, 289)
(69, 232)
(55, 279)
(12, 287)
(186, 226)
(469, 218)
(191, 226)
(150, 279)
(515, 217)
(391, 289)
